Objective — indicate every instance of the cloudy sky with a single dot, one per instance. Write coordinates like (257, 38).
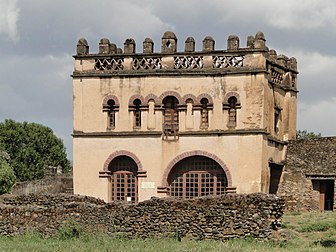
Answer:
(38, 39)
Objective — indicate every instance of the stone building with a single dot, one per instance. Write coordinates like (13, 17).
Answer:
(307, 181)
(181, 123)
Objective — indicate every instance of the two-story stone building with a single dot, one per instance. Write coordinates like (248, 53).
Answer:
(181, 124)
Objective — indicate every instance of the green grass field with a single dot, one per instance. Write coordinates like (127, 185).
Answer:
(301, 232)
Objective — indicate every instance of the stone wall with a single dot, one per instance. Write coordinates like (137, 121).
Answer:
(307, 161)
(49, 184)
(233, 215)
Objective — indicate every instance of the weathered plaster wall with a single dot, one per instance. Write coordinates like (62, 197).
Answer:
(155, 156)
(90, 93)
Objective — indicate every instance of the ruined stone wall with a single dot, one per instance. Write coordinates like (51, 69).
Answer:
(218, 217)
(49, 184)
(305, 159)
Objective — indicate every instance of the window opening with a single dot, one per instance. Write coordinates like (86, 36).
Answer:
(137, 113)
(197, 176)
(204, 113)
(111, 114)
(276, 119)
(232, 112)
(171, 122)
(124, 179)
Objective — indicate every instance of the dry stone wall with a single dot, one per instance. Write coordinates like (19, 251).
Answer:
(220, 217)
(49, 184)
(305, 159)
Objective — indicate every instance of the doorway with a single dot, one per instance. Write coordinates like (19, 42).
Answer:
(327, 195)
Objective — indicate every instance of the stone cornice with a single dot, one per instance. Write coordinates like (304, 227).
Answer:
(140, 134)
(168, 72)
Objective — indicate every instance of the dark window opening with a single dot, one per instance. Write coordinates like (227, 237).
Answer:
(124, 179)
(232, 112)
(204, 113)
(171, 120)
(197, 176)
(137, 113)
(276, 120)
(111, 114)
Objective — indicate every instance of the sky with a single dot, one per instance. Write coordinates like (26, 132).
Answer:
(39, 37)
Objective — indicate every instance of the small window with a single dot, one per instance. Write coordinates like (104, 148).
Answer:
(276, 119)
(204, 113)
(171, 122)
(232, 111)
(137, 113)
(111, 114)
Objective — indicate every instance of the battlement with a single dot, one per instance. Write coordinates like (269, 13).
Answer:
(254, 57)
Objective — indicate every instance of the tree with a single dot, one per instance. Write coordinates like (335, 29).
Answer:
(32, 147)
(304, 134)
(7, 176)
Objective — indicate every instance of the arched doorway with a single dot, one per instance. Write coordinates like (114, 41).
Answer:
(124, 179)
(196, 176)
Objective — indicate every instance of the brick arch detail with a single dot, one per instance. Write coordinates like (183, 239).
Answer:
(122, 153)
(152, 97)
(195, 153)
(189, 96)
(171, 93)
(110, 97)
(201, 96)
(134, 97)
(230, 94)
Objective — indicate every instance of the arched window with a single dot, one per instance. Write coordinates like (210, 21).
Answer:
(171, 120)
(124, 179)
(232, 111)
(196, 176)
(136, 113)
(111, 114)
(111, 106)
(204, 113)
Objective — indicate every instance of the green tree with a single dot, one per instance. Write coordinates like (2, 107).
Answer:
(32, 147)
(7, 176)
(304, 134)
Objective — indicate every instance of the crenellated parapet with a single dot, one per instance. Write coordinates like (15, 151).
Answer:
(255, 57)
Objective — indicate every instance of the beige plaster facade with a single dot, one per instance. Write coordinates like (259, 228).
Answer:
(235, 108)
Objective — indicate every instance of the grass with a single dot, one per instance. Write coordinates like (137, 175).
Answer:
(301, 232)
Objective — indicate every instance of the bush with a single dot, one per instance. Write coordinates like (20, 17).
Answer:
(7, 177)
(70, 229)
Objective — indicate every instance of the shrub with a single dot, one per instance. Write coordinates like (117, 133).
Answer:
(7, 177)
(70, 229)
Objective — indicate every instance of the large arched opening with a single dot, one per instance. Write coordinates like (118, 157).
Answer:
(196, 176)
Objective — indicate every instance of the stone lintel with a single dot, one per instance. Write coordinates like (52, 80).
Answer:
(321, 176)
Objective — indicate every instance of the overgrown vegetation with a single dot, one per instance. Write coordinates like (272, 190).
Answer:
(7, 176)
(301, 232)
(304, 134)
(31, 147)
